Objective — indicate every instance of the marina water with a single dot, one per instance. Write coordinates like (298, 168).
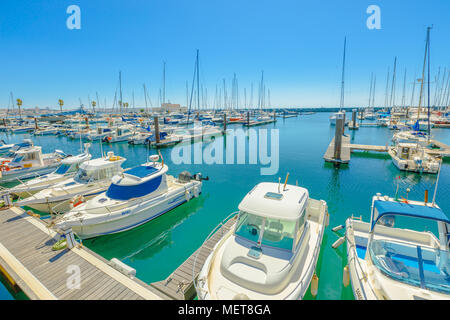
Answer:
(160, 246)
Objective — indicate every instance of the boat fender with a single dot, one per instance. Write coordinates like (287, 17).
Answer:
(337, 228)
(314, 285)
(187, 195)
(338, 242)
(123, 268)
(196, 192)
(346, 277)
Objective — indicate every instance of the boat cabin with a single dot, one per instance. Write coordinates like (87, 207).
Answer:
(272, 217)
(99, 169)
(27, 158)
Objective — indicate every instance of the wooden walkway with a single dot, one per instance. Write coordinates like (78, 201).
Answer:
(179, 285)
(345, 151)
(27, 260)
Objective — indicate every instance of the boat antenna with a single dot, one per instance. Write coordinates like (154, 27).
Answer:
(437, 182)
(285, 182)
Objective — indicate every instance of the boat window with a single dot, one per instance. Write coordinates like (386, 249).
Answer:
(17, 159)
(412, 264)
(62, 169)
(279, 233)
(84, 176)
(249, 226)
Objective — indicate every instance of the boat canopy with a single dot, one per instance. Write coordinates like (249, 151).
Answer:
(123, 187)
(407, 209)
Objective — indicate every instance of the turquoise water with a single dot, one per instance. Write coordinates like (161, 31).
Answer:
(158, 247)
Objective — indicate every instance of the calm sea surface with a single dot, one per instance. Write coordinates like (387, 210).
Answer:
(158, 247)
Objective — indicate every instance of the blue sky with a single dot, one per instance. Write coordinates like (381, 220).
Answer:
(297, 43)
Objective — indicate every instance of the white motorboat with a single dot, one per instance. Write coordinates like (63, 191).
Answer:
(29, 162)
(121, 134)
(140, 138)
(389, 258)
(134, 197)
(272, 251)
(412, 157)
(68, 168)
(93, 177)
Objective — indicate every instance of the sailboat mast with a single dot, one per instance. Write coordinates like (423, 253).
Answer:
(343, 76)
(428, 81)
(120, 88)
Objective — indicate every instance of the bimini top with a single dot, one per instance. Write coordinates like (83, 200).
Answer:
(408, 209)
(264, 200)
(136, 182)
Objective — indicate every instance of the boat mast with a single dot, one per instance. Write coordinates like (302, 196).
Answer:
(423, 77)
(428, 81)
(120, 88)
(341, 105)
(393, 84)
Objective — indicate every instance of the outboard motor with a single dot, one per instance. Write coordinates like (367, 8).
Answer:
(185, 176)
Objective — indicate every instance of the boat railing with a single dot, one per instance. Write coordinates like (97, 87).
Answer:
(232, 215)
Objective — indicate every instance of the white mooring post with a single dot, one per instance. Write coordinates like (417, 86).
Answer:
(70, 238)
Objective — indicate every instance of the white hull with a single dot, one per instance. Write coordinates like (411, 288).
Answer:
(129, 215)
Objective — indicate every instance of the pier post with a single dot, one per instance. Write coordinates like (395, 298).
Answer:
(248, 118)
(340, 120)
(224, 122)
(35, 123)
(156, 129)
(274, 115)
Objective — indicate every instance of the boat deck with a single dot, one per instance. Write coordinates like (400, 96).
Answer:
(179, 285)
(28, 262)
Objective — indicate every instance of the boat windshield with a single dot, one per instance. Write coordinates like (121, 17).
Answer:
(275, 233)
(62, 169)
(415, 265)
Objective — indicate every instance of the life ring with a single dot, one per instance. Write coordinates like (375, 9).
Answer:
(76, 201)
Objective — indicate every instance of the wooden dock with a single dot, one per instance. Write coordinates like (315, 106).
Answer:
(345, 151)
(28, 261)
(179, 285)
